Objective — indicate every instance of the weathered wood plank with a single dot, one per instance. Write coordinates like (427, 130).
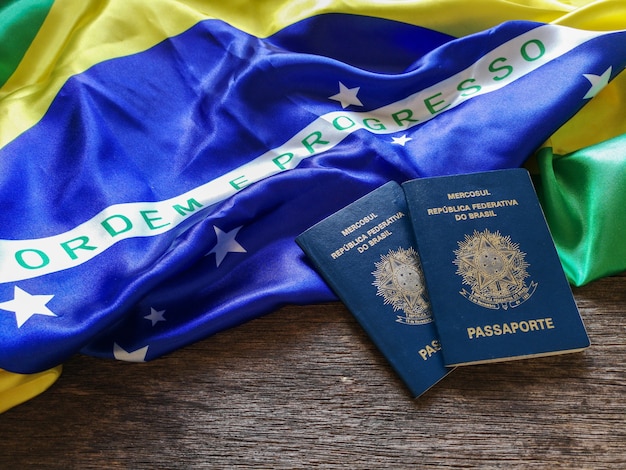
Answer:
(305, 387)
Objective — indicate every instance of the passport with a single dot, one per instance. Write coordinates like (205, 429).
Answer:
(495, 282)
(366, 254)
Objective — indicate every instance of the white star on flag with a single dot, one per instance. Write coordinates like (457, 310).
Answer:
(226, 243)
(347, 96)
(138, 355)
(155, 316)
(401, 140)
(598, 82)
(25, 305)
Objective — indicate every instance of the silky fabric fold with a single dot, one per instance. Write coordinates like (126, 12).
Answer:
(16, 389)
(19, 23)
(583, 195)
(76, 36)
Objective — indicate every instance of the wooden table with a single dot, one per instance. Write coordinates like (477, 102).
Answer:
(304, 387)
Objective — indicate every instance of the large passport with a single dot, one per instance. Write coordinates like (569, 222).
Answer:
(366, 254)
(495, 282)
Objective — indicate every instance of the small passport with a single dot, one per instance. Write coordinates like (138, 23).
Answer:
(366, 254)
(494, 279)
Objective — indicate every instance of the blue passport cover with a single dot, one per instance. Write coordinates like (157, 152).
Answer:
(366, 254)
(495, 282)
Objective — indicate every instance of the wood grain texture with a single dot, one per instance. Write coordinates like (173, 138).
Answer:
(304, 387)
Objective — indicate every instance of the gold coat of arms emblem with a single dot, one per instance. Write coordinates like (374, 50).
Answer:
(400, 282)
(495, 269)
